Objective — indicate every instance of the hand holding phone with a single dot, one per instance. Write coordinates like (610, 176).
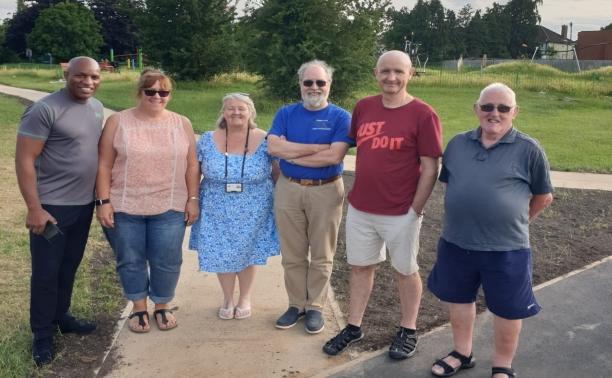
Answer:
(51, 231)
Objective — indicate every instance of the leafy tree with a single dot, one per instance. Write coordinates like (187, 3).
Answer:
(474, 36)
(118, 29)
(192, 39)
(65, 30)
(609, 27)
(524, 18)
(496, 36)
(283, 34)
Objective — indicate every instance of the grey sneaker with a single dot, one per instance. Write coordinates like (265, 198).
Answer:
(289, 318)
(403, 345)
(314, 321)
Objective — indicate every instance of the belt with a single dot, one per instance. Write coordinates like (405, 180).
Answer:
(313, 182)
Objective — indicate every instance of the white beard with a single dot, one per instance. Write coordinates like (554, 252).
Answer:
(313, 101)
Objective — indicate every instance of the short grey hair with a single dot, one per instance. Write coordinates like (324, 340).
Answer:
(498, 87)
(242, 97)
(316, 62)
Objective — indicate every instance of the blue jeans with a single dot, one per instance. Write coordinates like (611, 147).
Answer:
(149, 253)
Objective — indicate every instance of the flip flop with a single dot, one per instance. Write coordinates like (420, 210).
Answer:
(226, 313)
(242, 313)
(141, 327)
(163, 324)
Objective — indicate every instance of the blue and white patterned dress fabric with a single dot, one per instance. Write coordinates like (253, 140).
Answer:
(234, 230)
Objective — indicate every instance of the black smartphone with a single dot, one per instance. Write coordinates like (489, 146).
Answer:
(51, 231)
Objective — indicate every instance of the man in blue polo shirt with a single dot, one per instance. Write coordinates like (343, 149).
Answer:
(311, 139)
(497, 181)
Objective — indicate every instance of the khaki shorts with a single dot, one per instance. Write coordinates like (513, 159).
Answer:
(369, 235)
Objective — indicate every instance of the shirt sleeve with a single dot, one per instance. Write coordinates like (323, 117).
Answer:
(343, 124)
(37, 121)
(279, 124)
(539, 172)
(429, 140)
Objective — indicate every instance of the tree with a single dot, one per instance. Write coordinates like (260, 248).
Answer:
(496, 37)
(65, 30)
(609, 27)
(283, 34)
(524, 18)
(118, 29)
(191, 39)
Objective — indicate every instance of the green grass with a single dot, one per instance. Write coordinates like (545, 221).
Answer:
(95, 292)
(572, 125)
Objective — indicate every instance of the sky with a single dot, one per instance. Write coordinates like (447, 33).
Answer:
(583, 14)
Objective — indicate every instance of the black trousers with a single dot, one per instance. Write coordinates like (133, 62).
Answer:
(54, 265)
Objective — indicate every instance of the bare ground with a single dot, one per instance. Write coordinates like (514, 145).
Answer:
(572, 233)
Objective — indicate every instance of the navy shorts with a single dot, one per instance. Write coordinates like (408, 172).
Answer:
(505, 277)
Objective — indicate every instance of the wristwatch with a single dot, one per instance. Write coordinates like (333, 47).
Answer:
(100, 202)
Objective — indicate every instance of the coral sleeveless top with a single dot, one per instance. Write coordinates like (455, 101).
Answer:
(148, 176)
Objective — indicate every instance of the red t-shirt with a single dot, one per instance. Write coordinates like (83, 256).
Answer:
(389, 144)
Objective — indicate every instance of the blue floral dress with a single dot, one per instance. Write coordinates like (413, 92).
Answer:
(234, 230)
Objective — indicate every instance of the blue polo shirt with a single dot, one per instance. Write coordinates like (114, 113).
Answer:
(486, 204)
(300, 125)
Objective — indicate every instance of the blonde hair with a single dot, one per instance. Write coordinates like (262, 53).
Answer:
(242, 97)
(149, 77)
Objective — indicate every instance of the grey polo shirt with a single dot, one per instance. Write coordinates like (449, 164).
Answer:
(486, 204)
(66, 168)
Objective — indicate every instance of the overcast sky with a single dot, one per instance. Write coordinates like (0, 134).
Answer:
(583, 14)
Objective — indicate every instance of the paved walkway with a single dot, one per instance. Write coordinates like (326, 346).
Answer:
(577, 326)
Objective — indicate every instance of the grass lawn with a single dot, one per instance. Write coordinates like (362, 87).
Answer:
(96, 291)
(574, 129)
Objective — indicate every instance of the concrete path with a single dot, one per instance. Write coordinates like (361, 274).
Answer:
(203, 345)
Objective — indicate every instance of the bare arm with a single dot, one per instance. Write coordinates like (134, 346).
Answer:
(275, 171)
(106, 160)
(537, 203)
(27, 150)
(282, 148)
(427, 180)
(192, 177)
(330, 156)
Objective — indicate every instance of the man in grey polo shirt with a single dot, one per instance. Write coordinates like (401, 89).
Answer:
(56, 162)
(497, 181)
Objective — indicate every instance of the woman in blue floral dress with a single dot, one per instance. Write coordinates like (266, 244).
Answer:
(235, 230)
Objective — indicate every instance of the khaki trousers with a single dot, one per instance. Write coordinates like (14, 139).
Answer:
(308, 218)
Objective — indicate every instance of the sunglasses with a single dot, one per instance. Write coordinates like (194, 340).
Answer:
(500, 108)
(152, 92)
(309, 83)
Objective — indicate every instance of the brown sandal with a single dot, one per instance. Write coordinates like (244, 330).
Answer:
(142, 327)
(163, 324)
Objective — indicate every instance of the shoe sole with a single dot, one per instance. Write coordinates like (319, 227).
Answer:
(315, 331)
(346, 347)
(290, 325)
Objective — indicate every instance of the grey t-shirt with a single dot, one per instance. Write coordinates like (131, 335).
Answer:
(66, 168)
(486, 204)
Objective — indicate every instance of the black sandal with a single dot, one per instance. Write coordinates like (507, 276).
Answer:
(503, 370)
(466, 363)
(141, 322)
(164, 319)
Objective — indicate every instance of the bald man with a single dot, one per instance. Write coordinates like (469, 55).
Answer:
(56, 162)
(399, 142)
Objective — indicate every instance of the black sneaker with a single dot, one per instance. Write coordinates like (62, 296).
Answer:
(339, 342)
(42, 351)
(314, 321)
(69, 324)
(289, 318)
(404, 344)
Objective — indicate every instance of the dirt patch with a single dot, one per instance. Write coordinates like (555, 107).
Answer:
(572, 233)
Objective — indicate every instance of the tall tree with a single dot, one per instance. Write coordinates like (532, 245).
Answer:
(524, 18)
(192, 39)
(65, 30)
(496, 36)
(118, 28)
(286, 33)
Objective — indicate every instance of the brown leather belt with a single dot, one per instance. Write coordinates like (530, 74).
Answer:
(313, 182)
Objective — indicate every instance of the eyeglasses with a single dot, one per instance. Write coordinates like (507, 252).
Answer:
(152, 92)
(500, 108)
(309, 83)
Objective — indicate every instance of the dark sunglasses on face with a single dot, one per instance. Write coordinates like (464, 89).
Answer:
(152, 92)
(309, 83)
(500, 108)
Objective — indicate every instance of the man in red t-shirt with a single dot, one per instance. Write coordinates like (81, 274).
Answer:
(399, 143)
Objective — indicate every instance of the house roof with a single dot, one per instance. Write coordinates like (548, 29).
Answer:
(547, 35)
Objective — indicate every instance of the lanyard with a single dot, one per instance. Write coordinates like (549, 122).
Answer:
(246, 148)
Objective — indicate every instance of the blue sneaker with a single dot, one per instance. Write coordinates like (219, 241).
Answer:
(314, 321)
(289, 318)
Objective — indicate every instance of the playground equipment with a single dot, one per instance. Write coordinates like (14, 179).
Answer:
(132, 61)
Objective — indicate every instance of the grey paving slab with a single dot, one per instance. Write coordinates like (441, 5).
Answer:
(571, 337)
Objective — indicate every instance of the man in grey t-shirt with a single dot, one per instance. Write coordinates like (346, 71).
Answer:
(56, 162)
(497, 181)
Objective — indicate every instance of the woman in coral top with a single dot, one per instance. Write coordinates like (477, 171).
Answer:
(147, 190)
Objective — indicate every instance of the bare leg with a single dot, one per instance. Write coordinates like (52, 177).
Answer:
(228, 282)
(410, 289)
(361, 283)
(506, 341)
(245, 282)
(462, 317)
